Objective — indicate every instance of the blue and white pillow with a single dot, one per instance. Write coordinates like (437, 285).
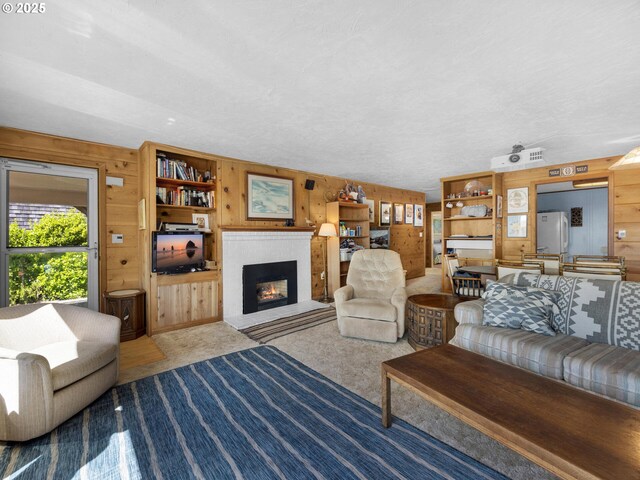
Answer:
(528, 308)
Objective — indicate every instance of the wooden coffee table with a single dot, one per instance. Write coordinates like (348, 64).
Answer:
(572, 433)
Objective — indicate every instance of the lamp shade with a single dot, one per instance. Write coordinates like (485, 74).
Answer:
(327, 230)
(630, 160)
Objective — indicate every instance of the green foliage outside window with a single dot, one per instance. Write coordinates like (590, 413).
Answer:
(38, 277)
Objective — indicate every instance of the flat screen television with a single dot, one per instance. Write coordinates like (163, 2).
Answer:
(379, 238)
(177, 252)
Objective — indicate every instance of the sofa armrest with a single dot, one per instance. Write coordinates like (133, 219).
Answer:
(341, 295)
(469, 312)
(399, 300)
(26, 395)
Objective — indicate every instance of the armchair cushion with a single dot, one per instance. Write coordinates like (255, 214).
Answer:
(372, 308)
(375, 273)
(72, 361)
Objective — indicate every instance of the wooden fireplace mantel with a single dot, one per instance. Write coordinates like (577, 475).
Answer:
(257, 228)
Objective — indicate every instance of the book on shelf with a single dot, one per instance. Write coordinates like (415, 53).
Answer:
(185, 197)
(179, 170)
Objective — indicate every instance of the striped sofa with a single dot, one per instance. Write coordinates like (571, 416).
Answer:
(597, 344)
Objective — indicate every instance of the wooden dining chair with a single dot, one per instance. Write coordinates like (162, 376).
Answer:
(551, 261)
(506, 267)
(602, 272)
(598, 259)
(467, 287)
(452, 264)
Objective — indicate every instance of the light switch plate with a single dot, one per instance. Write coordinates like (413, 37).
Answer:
(115, 181)
(117, 238)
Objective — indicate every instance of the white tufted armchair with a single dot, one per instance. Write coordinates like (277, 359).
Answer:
(371, 304)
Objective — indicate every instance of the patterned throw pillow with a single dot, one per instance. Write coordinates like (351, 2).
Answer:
(602, 311)
(527, 308)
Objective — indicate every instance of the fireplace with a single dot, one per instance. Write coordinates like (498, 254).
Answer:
(252, 247)
(269, 285)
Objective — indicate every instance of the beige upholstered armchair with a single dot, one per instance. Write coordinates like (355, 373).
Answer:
(54, 360)
(371, 304)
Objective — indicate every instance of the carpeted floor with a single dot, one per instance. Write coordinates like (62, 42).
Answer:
(354, 364)
(251, 414)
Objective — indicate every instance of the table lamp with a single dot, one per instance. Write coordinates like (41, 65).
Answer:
(326, 230)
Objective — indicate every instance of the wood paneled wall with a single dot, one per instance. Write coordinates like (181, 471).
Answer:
(624, 208)
(119, 266)
(311, 204)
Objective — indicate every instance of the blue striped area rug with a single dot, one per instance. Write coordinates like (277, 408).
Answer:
(255, 414)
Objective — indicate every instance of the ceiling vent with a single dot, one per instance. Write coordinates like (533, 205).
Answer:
(518, 159)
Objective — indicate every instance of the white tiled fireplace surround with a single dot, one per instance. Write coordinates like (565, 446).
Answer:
(241, 248)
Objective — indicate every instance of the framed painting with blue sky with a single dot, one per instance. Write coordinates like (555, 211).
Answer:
(269, 197)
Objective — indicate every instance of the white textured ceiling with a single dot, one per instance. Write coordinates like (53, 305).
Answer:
(398, 93)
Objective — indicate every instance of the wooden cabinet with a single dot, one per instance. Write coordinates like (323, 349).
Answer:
(176, 183)
(186, 300)
(476, 239)
(355, 218)
(128, 306)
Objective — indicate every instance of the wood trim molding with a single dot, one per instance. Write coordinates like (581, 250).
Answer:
(249, 228)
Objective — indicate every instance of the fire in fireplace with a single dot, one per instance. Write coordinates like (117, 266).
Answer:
(269, 285)
(270, 291)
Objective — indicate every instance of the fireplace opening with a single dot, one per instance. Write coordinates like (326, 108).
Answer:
(269, 285)
(271, 291)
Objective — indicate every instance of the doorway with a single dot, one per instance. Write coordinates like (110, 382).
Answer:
(436, 239)
(49, 241)
(573, 218)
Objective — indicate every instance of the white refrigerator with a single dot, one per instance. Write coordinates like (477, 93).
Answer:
(553, 232)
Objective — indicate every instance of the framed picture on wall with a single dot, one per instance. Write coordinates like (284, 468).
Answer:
(418, 215)
(269, 197)
(372, 210)
(517, 226)
(408, 213)
(499, 206)
(518, 200)
(385, 213)
(398, 213)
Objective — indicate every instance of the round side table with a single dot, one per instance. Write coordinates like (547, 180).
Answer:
(128, 306)
(430, 319)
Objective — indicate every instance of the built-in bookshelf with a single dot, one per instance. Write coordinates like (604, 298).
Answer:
(352, 225)
(177, 184)
(476, 239)
(181, 184)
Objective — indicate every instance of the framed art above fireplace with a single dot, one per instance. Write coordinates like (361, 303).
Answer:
(269, 197)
